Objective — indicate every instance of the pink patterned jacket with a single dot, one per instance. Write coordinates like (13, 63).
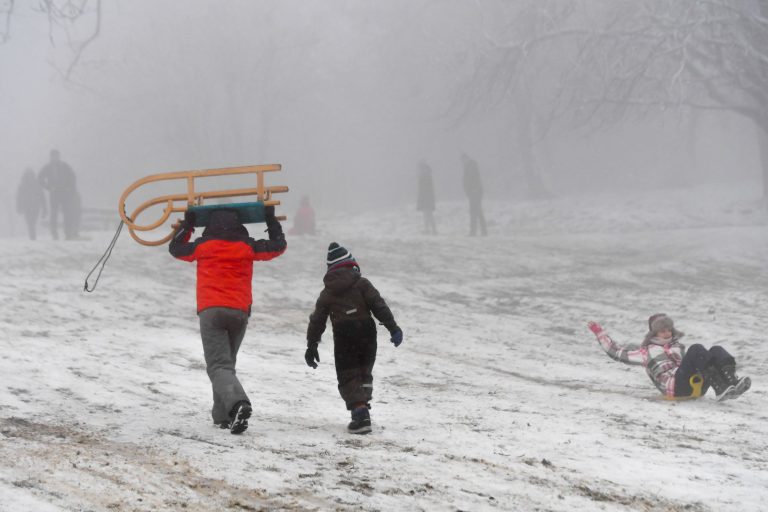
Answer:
(660, 361)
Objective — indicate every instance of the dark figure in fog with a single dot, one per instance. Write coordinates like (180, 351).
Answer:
(30, 201)
(59, 180)
(304, 222)
(425, 202)
(473, 187)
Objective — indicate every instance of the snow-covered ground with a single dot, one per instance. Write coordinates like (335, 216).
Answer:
(498, 399)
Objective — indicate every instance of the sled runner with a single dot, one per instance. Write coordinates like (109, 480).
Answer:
(249, 212)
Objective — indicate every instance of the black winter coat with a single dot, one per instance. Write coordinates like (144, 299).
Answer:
(347, 296)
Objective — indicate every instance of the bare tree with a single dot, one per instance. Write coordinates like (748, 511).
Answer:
(73, 24)
(79, 21)
(662, 54)
(616, 58)
(6, 12)
(511, 72)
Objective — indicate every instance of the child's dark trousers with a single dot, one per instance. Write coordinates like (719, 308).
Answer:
(354, 350)
(698, 359)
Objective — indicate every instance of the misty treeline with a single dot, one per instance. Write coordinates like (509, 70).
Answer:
(358, 92)
(600, 62)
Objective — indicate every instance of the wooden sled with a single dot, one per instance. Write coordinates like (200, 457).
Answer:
(192, 200)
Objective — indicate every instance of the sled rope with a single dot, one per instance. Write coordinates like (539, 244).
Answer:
(103, 260)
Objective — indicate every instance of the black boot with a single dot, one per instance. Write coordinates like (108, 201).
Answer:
(240, 414)
(361, 421)
(739, 385)
(720, 385)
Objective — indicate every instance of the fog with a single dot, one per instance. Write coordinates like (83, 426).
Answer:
(348, 96)
(622, 147)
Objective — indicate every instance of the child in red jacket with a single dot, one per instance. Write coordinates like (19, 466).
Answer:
(225, 254)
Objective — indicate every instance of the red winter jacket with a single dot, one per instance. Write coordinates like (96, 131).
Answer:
(225, 255)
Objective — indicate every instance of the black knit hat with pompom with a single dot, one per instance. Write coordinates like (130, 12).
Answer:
(338, 255)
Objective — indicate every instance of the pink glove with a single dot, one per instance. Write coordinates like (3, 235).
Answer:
(595, 328)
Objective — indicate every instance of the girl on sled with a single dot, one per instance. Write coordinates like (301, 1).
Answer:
(675, 371)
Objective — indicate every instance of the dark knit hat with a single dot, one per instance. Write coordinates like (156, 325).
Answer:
(339, 256)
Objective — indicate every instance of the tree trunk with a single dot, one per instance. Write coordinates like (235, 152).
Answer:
(762, 139)
(536, 189)
(691, 143)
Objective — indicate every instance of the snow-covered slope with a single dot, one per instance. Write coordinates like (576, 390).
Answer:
(498, 399)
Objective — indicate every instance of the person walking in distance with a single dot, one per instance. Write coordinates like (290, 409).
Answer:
(30, 201)
(304, 220)
(425, 201)
(58, 178)
(473, 188)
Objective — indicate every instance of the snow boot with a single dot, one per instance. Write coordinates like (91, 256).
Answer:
(240, 414)
(361, 421)
(738, 385)
(713, 377)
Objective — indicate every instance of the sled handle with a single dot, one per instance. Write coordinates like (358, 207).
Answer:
(697, 382)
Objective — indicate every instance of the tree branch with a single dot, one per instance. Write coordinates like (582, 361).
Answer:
(81, 48)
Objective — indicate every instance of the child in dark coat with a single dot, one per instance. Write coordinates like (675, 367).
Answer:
(349, 299)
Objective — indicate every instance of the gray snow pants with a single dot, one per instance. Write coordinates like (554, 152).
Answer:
(222, 330)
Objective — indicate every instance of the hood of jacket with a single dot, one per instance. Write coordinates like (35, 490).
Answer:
(225, 224)
(338, 280)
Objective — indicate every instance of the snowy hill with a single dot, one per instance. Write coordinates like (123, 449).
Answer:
(498, 399)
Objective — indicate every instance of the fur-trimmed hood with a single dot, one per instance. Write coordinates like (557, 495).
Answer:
(657, 323)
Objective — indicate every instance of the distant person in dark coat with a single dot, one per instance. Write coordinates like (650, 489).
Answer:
(304, 222)
(425, 202)
(30, 201)
(59, 180)
(473, 187)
